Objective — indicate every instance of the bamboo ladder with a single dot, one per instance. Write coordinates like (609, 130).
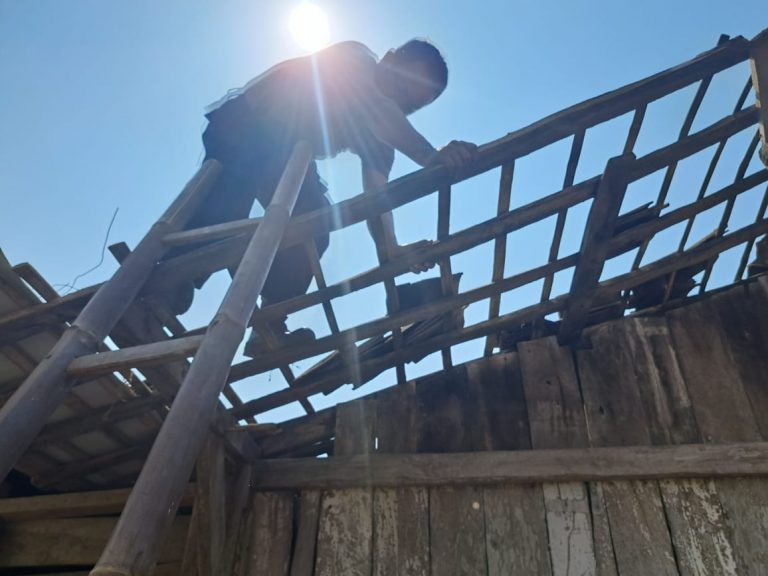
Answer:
(181, 437)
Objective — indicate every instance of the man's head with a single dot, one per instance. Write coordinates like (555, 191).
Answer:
(413, 75)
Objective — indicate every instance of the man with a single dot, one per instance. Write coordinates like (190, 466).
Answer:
(340, 98)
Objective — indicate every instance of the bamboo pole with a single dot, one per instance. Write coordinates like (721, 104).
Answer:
(26, 412)
(134, 544)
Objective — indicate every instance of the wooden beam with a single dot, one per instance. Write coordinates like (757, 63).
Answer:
(152, 354)
(72, 505)
(759, 64)
(522, 466)
(133, 546)
(25, 413)
(595, 245)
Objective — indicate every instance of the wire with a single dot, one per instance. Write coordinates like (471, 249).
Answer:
(71, 285)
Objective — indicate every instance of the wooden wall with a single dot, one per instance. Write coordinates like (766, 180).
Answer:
(694, 375)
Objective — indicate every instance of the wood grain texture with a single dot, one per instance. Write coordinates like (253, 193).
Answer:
(303, 562)
(557, 421)
(72, 542)
(345, 534)
(699, 527)
(401, 532)
(515, 531)
(457, 531)
(272, 533)
(638, 528)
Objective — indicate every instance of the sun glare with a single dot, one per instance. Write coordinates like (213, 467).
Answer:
(308, 24)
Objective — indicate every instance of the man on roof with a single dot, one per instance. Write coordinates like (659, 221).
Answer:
(340, 98)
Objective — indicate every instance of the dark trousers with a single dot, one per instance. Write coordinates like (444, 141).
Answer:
(251, 172)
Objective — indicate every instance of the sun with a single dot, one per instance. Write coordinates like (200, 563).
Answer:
(309, 27)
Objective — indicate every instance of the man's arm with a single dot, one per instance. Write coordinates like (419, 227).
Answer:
(382, 229)
(390, 125)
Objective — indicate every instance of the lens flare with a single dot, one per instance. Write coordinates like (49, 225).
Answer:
(309, 26)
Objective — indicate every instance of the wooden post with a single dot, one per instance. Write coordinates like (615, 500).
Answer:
(27, 411)
(759, 61)
(134, 544)
(595, 245)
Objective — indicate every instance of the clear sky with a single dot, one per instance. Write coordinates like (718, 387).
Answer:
(102, 109)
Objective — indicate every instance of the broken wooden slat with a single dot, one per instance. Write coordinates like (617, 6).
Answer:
(93, 365)
(594, 245)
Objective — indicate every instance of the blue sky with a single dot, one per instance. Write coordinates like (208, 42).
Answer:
(102, 109)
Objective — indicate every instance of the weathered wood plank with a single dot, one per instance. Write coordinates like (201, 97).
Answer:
(72, 505)
(270, 548)
(400, 516)
(699, 527)
(152, 354)
(441, 401)
(303, 562)
(237, 517)
(721, 352)
(345, 534)
(557, 421)
(617, 415)
(520, 466)
(457, 531)
(355, 427)
(495, 414)
(722, 408)
(595, 245)
(71, 542)
(605, 558)
(638, 528)
(210, 505)
(397, 419)
(552, 395)
(401, 532)
(515, 531)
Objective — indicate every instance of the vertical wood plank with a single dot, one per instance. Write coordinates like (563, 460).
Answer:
(211, 506)
(617, 414)
(397, 420)
(457, 532)
(441, 401)
(638, 528)
(570, 531)
(355, 425)
(721, 405)
(720, 343)
(605, 559)
(555, 409)
(515, 531)
(238, 516)
(699, 528)
(557, 421)
(303, 561)
(401, 516)
(270, 549)
(401, 532)
(496, 414)
(345, 533)
(189, 560)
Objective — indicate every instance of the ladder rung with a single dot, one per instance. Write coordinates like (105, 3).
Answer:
(214, 232)
(142, 355)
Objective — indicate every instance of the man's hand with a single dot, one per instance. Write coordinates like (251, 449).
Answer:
(396, 251)
(454, 156)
